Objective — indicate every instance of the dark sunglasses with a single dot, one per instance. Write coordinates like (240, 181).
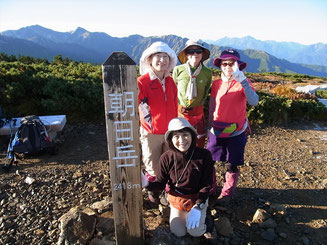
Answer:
(192, 51)
(227, 64)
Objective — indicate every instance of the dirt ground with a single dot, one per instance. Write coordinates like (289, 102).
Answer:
(283, 165)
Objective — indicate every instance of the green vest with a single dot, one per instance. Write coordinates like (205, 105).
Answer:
(203, 84)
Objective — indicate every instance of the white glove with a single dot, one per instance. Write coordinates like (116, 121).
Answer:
(145, 182)
(237, 74)
(193, 218)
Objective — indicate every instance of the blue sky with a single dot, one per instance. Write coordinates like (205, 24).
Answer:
(302, 21)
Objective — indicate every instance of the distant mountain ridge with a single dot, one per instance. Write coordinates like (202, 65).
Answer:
(315, 54)
(95, 47)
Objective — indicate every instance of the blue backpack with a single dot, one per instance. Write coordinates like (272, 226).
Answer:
(31, 139)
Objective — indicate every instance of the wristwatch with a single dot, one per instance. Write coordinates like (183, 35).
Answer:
(199, 205)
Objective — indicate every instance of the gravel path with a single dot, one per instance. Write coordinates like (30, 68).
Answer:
(284, 166)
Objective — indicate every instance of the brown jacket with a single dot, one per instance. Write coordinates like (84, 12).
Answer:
(197, 177)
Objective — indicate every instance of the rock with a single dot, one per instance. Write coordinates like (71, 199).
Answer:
(105, 223)
(73, 210)
(97, 241)
(89, 211)
(147, 214)
(162, 235)
(77, 174)
(101, 205)
(7, 224)
(76, 227)
(268, 235)
(29, 180)
(278, 210)
(269, 223)
(235, 241)
(223, 226)
(260, 216)
(283, 235)
(305, 240)
(39, 232)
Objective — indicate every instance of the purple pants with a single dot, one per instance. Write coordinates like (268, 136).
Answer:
(227, 149)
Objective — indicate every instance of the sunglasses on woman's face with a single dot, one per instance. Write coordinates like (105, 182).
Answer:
(227, 64)
(192, 51)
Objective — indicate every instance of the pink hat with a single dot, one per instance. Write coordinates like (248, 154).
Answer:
(230, 54)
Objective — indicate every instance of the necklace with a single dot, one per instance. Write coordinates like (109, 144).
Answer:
(229, 85)
(229, 80)
(177, 180)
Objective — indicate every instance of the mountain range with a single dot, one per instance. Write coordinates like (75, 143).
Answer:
(315, 54)
(96, 47)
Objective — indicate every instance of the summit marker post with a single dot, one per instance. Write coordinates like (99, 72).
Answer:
(122, 128)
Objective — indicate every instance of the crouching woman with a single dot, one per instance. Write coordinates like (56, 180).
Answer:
(187, 169)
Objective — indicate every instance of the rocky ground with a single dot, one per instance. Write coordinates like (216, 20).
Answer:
(283, 182)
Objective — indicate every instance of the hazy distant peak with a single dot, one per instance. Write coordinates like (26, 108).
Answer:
(80, 30)
(36, 27)
(249, 38)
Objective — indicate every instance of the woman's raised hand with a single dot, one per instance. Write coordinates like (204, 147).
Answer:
(237, 74)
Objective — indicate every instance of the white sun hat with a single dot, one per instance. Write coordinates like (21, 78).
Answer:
(178, 123)
(157, 47)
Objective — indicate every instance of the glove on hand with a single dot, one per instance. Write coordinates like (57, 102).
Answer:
(237, 74)
(193, 218)
(145, 182)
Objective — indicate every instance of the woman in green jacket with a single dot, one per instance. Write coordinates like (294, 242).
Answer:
(193, 82)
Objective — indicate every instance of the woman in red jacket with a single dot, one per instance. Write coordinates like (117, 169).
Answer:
(157, 104)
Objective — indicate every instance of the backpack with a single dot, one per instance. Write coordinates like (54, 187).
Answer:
(32, 137)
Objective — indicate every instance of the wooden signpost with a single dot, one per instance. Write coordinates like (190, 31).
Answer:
(122, 124)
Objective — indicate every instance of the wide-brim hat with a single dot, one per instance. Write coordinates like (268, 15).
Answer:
(176, 124)
(227, 55)
(157, 47)
(182, 56)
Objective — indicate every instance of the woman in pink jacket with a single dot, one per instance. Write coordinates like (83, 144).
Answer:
(227, 114)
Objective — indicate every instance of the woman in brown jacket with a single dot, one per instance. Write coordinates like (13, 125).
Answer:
(187, 169)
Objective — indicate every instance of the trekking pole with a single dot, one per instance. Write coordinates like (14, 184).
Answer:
(13, 157)
(7, 155)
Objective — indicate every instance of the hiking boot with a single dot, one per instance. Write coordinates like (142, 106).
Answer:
(153, 197)
(229, 187)
(209, 223)
(211, 237)
(164, 199)
(211, 233)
